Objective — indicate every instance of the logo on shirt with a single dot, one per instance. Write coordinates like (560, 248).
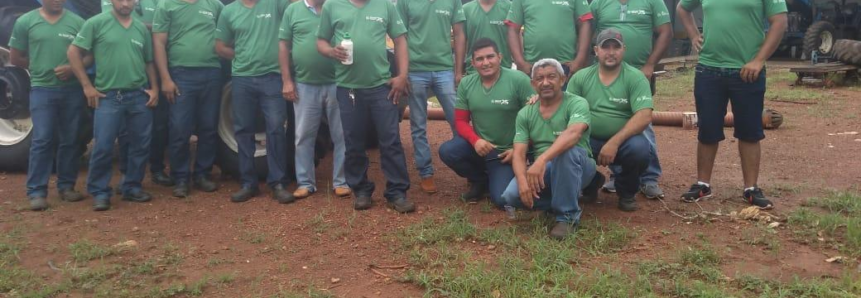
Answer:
(443, 12)
(637, 11)
(375, 19)
(643, 98)
(778, 1)
(136, 42)
(206, 13)
(500, 101)
(498, 23)
(563, 3)
(576, 115)
(149, 9)
(557, 133)
(619, 100)
(66, 36)
(264, 16)
(663, 14)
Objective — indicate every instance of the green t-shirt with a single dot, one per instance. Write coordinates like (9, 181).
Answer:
(636, 23)
(368, 27)
(487, 24)
(531, 127)
(612, 106)
(253, 32)
(733, 30)
(492, 110)
(428, 26)
(551, 27)
(144, 11)
(299, 26)
(41, 40)
(120, 53)
(190, 31)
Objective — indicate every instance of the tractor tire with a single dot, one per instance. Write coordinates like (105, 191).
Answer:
(87, 8)
(819, 37)
(15, 86)
(15, 132)
(848, 51)
(8, 16)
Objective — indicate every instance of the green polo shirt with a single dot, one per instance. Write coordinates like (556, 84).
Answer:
(120, 53)
(612, 106)
(531, 127)
(487, 24)
(636, 20)
(144, 11)
(733, 30)
(428, 24)
(550, 27)
(368, 27)
(41, 40)
(299, 27)
(253, 32)
(190, 29)
(494, 109)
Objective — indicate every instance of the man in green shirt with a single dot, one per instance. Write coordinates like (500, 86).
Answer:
(490, 99)
(312, 94)
(733, 49)
(486, 19)
(558, 130)
(247, 33)
(122, 48)
(367, 94)
(621, 105)
(191, 82)
(430, 25)
(56, 98)
(639, 21)
(556, 29)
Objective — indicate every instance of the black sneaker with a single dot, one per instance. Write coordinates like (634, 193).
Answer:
(477, 192)
(628, 204)
(402, 205)
(38, 203)
(757, 198)
(138, 196)
(590, 193)
(161, 178)
(244, 194)
(204, 184)
(697, 193)
(180, 190)
(282, 195)
(101, 203)
(362, 202)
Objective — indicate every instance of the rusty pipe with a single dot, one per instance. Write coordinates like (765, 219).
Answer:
(771, 119)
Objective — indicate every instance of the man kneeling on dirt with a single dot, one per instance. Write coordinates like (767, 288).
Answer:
(558, 128)
(490, 98)
(621, 104)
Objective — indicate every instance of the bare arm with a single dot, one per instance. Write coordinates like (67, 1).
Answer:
(687, 19)
(400, 84)
(518, 165)
(19, 58)
(665, 36)
(459, 51)
(288, 90)
(750, 71)
(159, 46)
(153, 88)
(74, 54)
(515, 44)
(224, 50)
(584, 40)
(635, 126)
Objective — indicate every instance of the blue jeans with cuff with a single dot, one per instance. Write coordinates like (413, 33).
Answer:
(317, 103)
(442, 84)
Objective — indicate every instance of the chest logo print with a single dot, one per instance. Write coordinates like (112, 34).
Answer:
(500, 101)
(619, 100)
(375, 19)
(67, 36)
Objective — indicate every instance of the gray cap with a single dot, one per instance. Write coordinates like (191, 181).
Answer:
(609, 34)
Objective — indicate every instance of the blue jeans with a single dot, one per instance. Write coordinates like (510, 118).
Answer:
(653, 171)
(195, 110)
(633, 159)
(715, 87)
(564, 178)
(251, 96)
(361, 108)
(317, 103)
(442, 84)
(158, 144)
(120, 108)
(461, 157)
(56, 114)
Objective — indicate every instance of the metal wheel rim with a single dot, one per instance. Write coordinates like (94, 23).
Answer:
(826, 42)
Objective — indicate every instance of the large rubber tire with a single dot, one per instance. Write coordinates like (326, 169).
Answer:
(848, 51)
(15, 132)
(15, 97)
(820, 37)
(8, 16)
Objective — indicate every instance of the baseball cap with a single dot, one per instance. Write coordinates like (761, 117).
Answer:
(609, 34)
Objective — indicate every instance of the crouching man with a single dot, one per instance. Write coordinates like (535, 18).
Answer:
(558, 129)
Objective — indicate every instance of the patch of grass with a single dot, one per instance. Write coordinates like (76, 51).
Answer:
(84, 251)
(253, 237)
(836, 217)
(675, 85)
(761, 236)
(215, 262)
(776, 89)
(318, 223)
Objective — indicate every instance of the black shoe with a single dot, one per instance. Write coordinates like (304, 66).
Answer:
(101, 203)
(203, 184)
(697, 193)
(362, 202)
(562, 230)
(161, 178)
(38, 203)
(282, 195)
(590, 193)
(70, 195)
(402, 205)
(180, 190)
(477, 192)
(628, 204)
(244, 194)
(139, 196)
(757, 198)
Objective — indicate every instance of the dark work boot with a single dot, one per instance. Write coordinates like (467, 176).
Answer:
(282, 195)
(244, 194)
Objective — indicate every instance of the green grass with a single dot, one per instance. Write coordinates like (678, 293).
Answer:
(675, 85)
(777, 90)
(836, 216)
(84, 251)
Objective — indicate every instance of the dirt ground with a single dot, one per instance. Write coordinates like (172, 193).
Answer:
(321, 244)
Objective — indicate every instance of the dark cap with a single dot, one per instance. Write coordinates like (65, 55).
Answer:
(609, 34)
